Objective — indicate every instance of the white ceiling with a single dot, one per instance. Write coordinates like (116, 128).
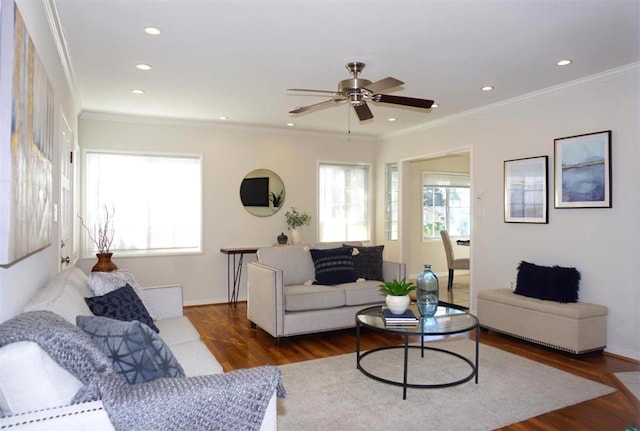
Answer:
(237, 58)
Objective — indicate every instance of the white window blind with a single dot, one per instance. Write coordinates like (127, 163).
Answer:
(343, 206)
(157, 201)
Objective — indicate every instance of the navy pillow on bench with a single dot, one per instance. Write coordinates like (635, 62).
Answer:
(545, 282)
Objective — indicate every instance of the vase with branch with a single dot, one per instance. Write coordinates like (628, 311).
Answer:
(295, 220)
(102, 236)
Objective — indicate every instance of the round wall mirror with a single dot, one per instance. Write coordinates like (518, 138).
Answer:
(262, 192)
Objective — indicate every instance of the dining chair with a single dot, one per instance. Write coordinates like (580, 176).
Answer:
(452, 262)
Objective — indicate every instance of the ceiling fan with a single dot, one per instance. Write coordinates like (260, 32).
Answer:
(359, 91)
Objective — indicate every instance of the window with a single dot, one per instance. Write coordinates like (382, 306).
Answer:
(343, 206)
(446, 204)
(157, 201)
(391, 202)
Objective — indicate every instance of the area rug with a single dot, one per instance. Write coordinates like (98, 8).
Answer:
(331, 394)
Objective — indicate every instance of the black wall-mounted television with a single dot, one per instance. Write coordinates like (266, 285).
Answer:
(254, 192)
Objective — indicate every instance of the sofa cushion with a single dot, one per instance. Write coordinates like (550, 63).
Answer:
(121, 304)
(313, 297)
(31, 380)
(64, 295)
(294, 261)
(137, 353)
(367, 262)
(549, 283)
(102, 283)
(196, 359)
(175, 330)
(362, 292)
(333, 266)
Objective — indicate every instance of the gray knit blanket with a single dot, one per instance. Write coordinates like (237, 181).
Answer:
(230, 401)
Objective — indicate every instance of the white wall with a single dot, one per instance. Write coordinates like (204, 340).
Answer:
(601, 243)
(229, 153)
(19, 281)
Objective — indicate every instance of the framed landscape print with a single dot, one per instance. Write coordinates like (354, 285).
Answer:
(582, 173)
(526, 190)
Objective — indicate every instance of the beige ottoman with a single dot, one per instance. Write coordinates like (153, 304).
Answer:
(574, 327)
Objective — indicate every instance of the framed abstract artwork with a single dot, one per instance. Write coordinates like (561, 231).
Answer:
(26, 141)
(582, 173)
(526, 190)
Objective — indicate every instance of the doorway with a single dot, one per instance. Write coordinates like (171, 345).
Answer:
(421, 228)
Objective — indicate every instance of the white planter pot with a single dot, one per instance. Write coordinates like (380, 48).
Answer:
(296, 236)
(397, 304)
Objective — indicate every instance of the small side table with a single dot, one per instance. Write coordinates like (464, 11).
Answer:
(236, 269)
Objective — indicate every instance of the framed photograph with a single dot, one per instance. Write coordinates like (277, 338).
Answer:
(526, 190)
(582, 173)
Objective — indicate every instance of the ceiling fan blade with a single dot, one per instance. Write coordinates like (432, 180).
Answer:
(315, 106)
(401, 100)
(363, 111)
(384, 84)
(306, 90)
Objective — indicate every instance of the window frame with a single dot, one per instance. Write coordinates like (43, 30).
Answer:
(425, 184)
(368, 204)
(85, 242)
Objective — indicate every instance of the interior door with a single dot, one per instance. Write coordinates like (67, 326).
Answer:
(65, 224)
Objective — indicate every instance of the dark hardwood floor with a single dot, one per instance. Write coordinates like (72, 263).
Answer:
(227, 333)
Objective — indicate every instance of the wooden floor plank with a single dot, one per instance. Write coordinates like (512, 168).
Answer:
(228, 335)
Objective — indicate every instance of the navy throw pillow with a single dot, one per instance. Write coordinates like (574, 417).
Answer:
(333, 265)
(367, 262)
(553, 283)
(121, 304)
(137, 353)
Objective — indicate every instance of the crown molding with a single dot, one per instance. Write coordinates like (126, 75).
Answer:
(60, 42)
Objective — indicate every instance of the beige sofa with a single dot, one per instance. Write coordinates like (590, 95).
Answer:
(572, 327)
(35, 392)
(282, 300)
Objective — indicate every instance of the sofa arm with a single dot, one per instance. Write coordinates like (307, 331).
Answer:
(74, 417)
(391, 270)
(165, 301)
(265, 297)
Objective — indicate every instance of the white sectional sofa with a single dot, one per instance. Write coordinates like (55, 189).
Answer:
(282, 300)
(35, 392)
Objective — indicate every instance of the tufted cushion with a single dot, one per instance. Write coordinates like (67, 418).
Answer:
(550, 283)
(333, 266)
(137, 353)
(367, 262)
(121, 304)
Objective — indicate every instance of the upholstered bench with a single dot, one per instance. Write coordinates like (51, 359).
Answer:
(572, 327)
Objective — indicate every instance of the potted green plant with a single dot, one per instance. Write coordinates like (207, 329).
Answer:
(276, 199)
(296, 219)
(397, 291)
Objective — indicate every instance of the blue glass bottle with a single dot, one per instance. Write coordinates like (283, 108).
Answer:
(427, 290)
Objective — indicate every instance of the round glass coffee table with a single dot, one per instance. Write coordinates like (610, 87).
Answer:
(447, 321)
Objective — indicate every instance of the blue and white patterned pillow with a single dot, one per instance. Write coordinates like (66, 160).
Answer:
(333, 265)
(137, 353)
(121, 304)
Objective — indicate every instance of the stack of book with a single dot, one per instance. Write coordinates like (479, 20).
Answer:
(408, 318)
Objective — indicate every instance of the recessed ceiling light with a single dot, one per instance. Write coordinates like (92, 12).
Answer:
(487, 88)
(391, 120)
(564, 62)
(142, 66)
(153, 31)
(137, 91)
(435, 105)
(291, 124)
(223, 118)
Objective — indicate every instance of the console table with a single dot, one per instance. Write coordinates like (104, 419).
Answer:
(236, 269)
